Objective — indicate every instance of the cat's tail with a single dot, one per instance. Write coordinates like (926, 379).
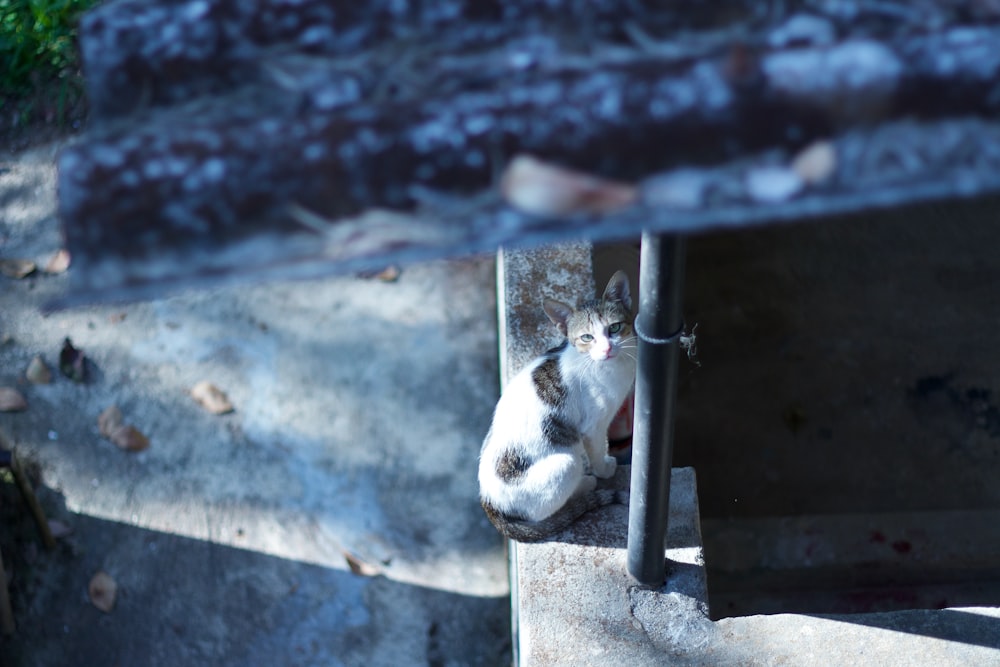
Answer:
(523, 530)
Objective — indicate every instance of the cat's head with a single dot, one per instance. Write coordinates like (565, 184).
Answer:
(598, 327)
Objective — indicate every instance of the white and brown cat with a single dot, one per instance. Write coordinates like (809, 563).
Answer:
(548, 444)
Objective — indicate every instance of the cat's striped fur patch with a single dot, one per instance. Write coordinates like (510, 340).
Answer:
(558, 432)
(516, 527)
(512, 465)
(548, 382)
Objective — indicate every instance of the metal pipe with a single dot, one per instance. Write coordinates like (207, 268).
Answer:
(659, 326)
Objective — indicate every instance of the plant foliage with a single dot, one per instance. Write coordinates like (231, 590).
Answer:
(38, 42)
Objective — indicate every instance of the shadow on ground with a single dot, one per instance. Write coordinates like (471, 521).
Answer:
(258, 610)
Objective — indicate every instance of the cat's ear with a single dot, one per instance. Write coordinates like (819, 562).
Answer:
(618, 290)
(559, 313)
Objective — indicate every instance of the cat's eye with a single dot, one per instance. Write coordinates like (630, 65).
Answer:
(615, 328)
(587, 338)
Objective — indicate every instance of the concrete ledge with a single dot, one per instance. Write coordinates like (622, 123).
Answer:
(578, 606)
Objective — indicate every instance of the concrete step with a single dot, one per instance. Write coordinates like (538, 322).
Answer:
(576, 599)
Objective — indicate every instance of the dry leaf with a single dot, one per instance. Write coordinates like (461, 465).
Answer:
(11, 400)
(552, 191)
(211, 398)
(58, 263)
(17, 268)
(103, 590)
(816, 162)
(359, 566)
(38, 372)
(389, 275)
(111, 425)
(109, 420)
(72, 362)
(129, 438)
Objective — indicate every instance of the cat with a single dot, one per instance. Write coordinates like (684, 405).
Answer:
(548, 444)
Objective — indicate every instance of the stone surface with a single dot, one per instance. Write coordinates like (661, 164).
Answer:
(525, 278)
(234, 538)
(577, 603)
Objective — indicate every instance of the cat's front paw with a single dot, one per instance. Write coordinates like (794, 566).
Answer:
(607, 468)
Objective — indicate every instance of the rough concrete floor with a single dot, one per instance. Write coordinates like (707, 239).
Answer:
(330, 520)
(849, 370)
